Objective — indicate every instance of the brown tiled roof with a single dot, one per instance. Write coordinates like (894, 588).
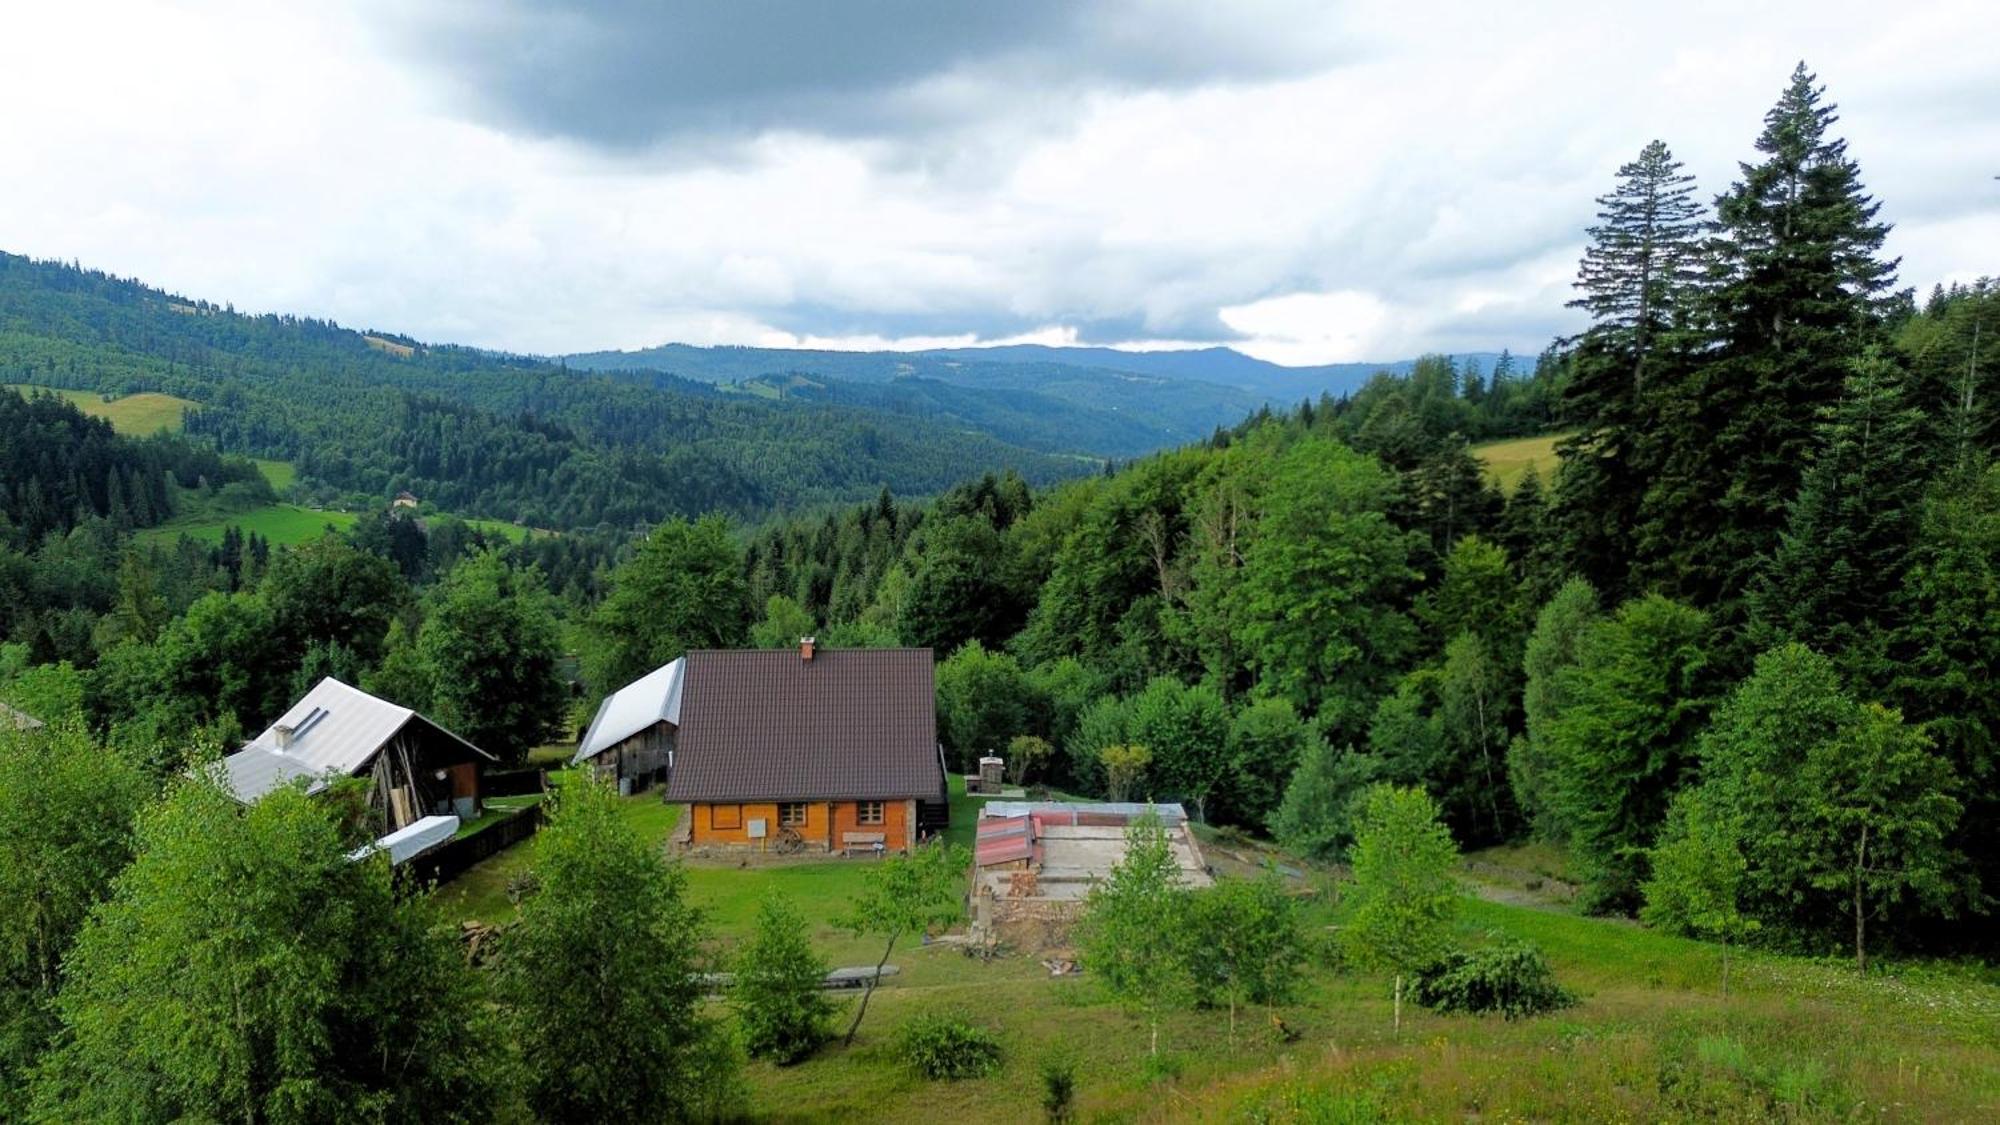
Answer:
(850, 724)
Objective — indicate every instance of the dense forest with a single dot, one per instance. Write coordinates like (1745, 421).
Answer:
(1752, 612)
(1735, 655)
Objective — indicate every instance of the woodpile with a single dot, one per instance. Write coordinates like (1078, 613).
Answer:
(481, 941)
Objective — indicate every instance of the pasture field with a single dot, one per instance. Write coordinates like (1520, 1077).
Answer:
(1508, 461)
(136, 415)
(282, 524)
(1652, 1037)
(280, 474)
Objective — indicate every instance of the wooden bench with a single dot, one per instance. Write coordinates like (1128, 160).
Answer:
(874, 842)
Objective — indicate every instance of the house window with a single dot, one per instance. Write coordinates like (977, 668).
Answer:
(725, 816)
(871, 812)
(792, 814)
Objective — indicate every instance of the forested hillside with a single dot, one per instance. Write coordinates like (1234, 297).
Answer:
(1751, 619)
(363, 416)
(1732, 663)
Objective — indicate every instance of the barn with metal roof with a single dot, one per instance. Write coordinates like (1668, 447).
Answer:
(417, 768)
(632, 736)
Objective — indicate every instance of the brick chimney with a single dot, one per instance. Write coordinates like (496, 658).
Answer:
(806, 649)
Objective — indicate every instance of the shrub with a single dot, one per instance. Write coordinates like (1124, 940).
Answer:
(1508, 977)
(1058, 1072)
(947, 1048)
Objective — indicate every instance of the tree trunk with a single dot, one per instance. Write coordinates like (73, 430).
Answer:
(861, 1009)
(1399, 1004)
(1153, 1049)
(1725, 966)
(1232, 1023)
(1860, 917)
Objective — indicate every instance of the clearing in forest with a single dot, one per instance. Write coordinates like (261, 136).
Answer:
(136, 415)
(1508, 461)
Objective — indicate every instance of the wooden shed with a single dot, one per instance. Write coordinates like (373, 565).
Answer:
(632, 737)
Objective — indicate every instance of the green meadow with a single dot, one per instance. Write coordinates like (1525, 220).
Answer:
(1652, 1038)
(282, 524)
(1508, 461)
(137, 415)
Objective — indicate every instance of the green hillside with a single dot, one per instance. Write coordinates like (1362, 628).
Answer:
(508, 437)
(281, 524)
(138, 414)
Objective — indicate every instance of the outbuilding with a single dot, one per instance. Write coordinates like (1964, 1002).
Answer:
(632, 737)
(415, 767)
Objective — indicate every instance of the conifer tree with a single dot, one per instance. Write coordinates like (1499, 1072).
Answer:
(1800, 283)
(1849, 531)
(1638, 281)
(1643, 264)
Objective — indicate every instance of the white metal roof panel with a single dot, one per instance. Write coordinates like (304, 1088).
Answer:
(411, 840)
(653, 697)
(336, 729)
(18, 720)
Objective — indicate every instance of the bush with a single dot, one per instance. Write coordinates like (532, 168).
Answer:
(947, 1048)
(1058, 1073)
(1508, 977)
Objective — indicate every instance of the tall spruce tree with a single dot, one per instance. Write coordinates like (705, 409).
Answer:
(1849, 532)
(1638, 281)
(1800, 282)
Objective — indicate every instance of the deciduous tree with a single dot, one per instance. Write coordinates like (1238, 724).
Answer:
(906, 895)
(600, 974)
(779, 988)
(1404, 899)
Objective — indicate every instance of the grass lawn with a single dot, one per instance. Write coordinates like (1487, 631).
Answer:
(1508, 461)
(511, 531)
(496, 810)
(554, 755)
(1652, 1038)
(138, 415)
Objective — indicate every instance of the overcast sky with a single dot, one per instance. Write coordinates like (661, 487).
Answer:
(1307, 182)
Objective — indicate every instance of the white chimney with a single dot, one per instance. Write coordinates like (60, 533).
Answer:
(284, 736)
(806, 649)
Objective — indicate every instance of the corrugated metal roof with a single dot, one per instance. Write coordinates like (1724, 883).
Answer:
(766, 725)
(1003, 840)
(411, 840)
(652, 698)
(336, 730)
(18, 720)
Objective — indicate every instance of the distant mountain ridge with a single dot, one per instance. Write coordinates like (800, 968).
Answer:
(1216, 369)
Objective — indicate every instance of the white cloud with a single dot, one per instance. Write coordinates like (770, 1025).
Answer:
(1422, 185)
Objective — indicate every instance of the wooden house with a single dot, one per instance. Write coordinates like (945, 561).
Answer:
(824, 750)
(415, 767)
(631, 739)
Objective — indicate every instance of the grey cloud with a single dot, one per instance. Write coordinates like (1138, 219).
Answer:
(631, 74)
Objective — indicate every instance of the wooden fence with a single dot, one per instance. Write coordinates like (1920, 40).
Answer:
(449, 860)
(513, 783)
